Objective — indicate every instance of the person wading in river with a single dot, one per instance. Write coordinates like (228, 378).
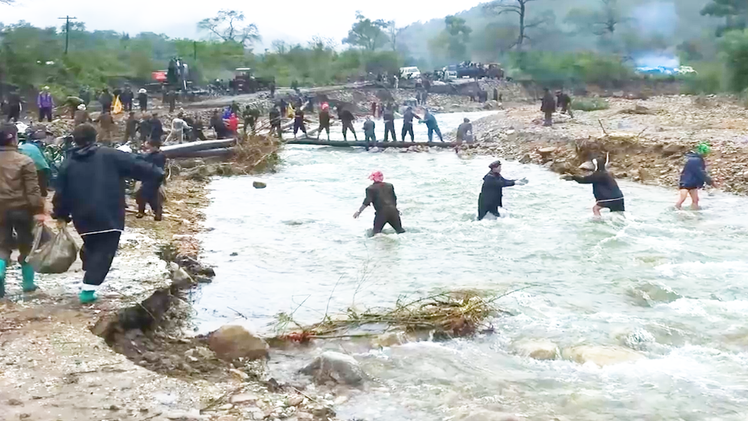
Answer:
(492, 193)
(694, 176)
(382, 196)
(604, 186)
(90, 190)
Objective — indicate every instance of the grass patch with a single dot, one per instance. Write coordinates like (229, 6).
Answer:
(590, 104)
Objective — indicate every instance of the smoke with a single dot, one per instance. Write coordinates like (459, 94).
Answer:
(656, 18)
(657, 60)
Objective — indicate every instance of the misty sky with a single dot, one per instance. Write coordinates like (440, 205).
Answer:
(291, 20)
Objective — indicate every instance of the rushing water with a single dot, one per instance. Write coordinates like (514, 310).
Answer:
(671, 285)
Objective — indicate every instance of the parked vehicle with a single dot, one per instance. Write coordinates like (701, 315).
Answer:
(409, 73)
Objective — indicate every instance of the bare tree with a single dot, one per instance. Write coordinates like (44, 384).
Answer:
(502, 7)
(610, 18)
(227, 27)
(393, 32)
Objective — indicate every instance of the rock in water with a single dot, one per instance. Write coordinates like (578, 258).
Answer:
(600, 355)
(336, 367)
(231, 342)
(259, 185)
(537, 349)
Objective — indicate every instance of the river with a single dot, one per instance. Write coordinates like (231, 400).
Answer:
(670, 285)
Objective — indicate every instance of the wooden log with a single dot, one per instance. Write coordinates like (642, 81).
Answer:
(208, 153)
(173, 151)
(342, 144)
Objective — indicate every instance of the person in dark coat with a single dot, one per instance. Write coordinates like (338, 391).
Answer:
(491, 196)
(219, 126)
(389, 123)
(272, 89)
(145, 128)
(172, 97)
(604, 186)
(14, 107)
(276, 122)
(694, 176)
(382, 196)
(347, 118)
(131, 127)
(496, 94)
(143, 100)
(106, 100)
(149, 189)
(157, 128)
(564, 102)
(90, 190)
(548, 107)
(127, 98)
(324, 120)
(250, 115)
(408, 124)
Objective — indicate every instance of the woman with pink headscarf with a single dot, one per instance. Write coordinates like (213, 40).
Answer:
(382, 196)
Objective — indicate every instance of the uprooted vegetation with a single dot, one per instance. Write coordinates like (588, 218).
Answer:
(441, 316)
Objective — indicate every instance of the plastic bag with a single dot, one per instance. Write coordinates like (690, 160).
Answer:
(55, 256)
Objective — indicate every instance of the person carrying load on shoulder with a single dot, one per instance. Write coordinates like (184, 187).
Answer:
(604, 186)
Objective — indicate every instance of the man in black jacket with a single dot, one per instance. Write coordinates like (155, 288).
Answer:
(91, 192)
(604, 186)
(408, 124)
(346, 117)
(389, 123)
(157, 128)
(106, 100)
(492, 193)
(127, 98)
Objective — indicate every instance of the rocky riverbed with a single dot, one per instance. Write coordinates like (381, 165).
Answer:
(646, 139)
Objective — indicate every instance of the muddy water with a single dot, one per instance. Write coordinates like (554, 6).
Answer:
(669, 285)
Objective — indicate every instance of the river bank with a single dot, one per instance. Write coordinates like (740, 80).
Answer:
(133, 354)
(646, 139)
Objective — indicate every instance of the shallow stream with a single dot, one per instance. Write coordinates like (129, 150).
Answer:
(670, 285)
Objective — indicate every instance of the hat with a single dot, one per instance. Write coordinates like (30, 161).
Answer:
(494, 164)
(325, 106)
(703, 149)
(46, 88)
(376, 177)
(7, 131)
(82, 107)
(142, 91)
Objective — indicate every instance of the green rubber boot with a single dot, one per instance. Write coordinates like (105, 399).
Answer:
(87, 297)
(3, 265)
(27, 272)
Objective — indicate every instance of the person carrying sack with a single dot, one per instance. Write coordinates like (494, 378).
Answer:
(91, 193)
(21, 205)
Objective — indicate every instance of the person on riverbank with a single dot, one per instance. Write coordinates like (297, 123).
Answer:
(143, 100)
(382, 196)
(81, 116)
(131, 127)
(324, 120)
(127, 98)
(172, 98)
(14, 106)
(178, 126)
(106, 126)
(389, 123)
(106, 99)
(693, 177)
(250, 115)
(46, 103)
(564, 102)
(432, 125)
(43, 172)
(548, 107)
(91, 193)
(21, 205)
(347, 118)
(408, 124)
(491, 196)
(149, 192)
(604, 186)
(157, 128)
(233, 125)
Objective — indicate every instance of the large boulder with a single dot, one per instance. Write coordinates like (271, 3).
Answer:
(537, 349)
(231, 342)
(600, 355)
(336, 367)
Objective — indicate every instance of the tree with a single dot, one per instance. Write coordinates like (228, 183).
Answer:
(452, 41)
(603, 22)
(735, 13)
(226, 26)
(735, 51)
(519, 7)
(367, 33)
(393, 32)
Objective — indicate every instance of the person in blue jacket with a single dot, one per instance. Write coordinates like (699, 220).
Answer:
(492, 193)
(694, 176)
(432, 125)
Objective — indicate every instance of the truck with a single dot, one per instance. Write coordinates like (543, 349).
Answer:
(245, 81)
